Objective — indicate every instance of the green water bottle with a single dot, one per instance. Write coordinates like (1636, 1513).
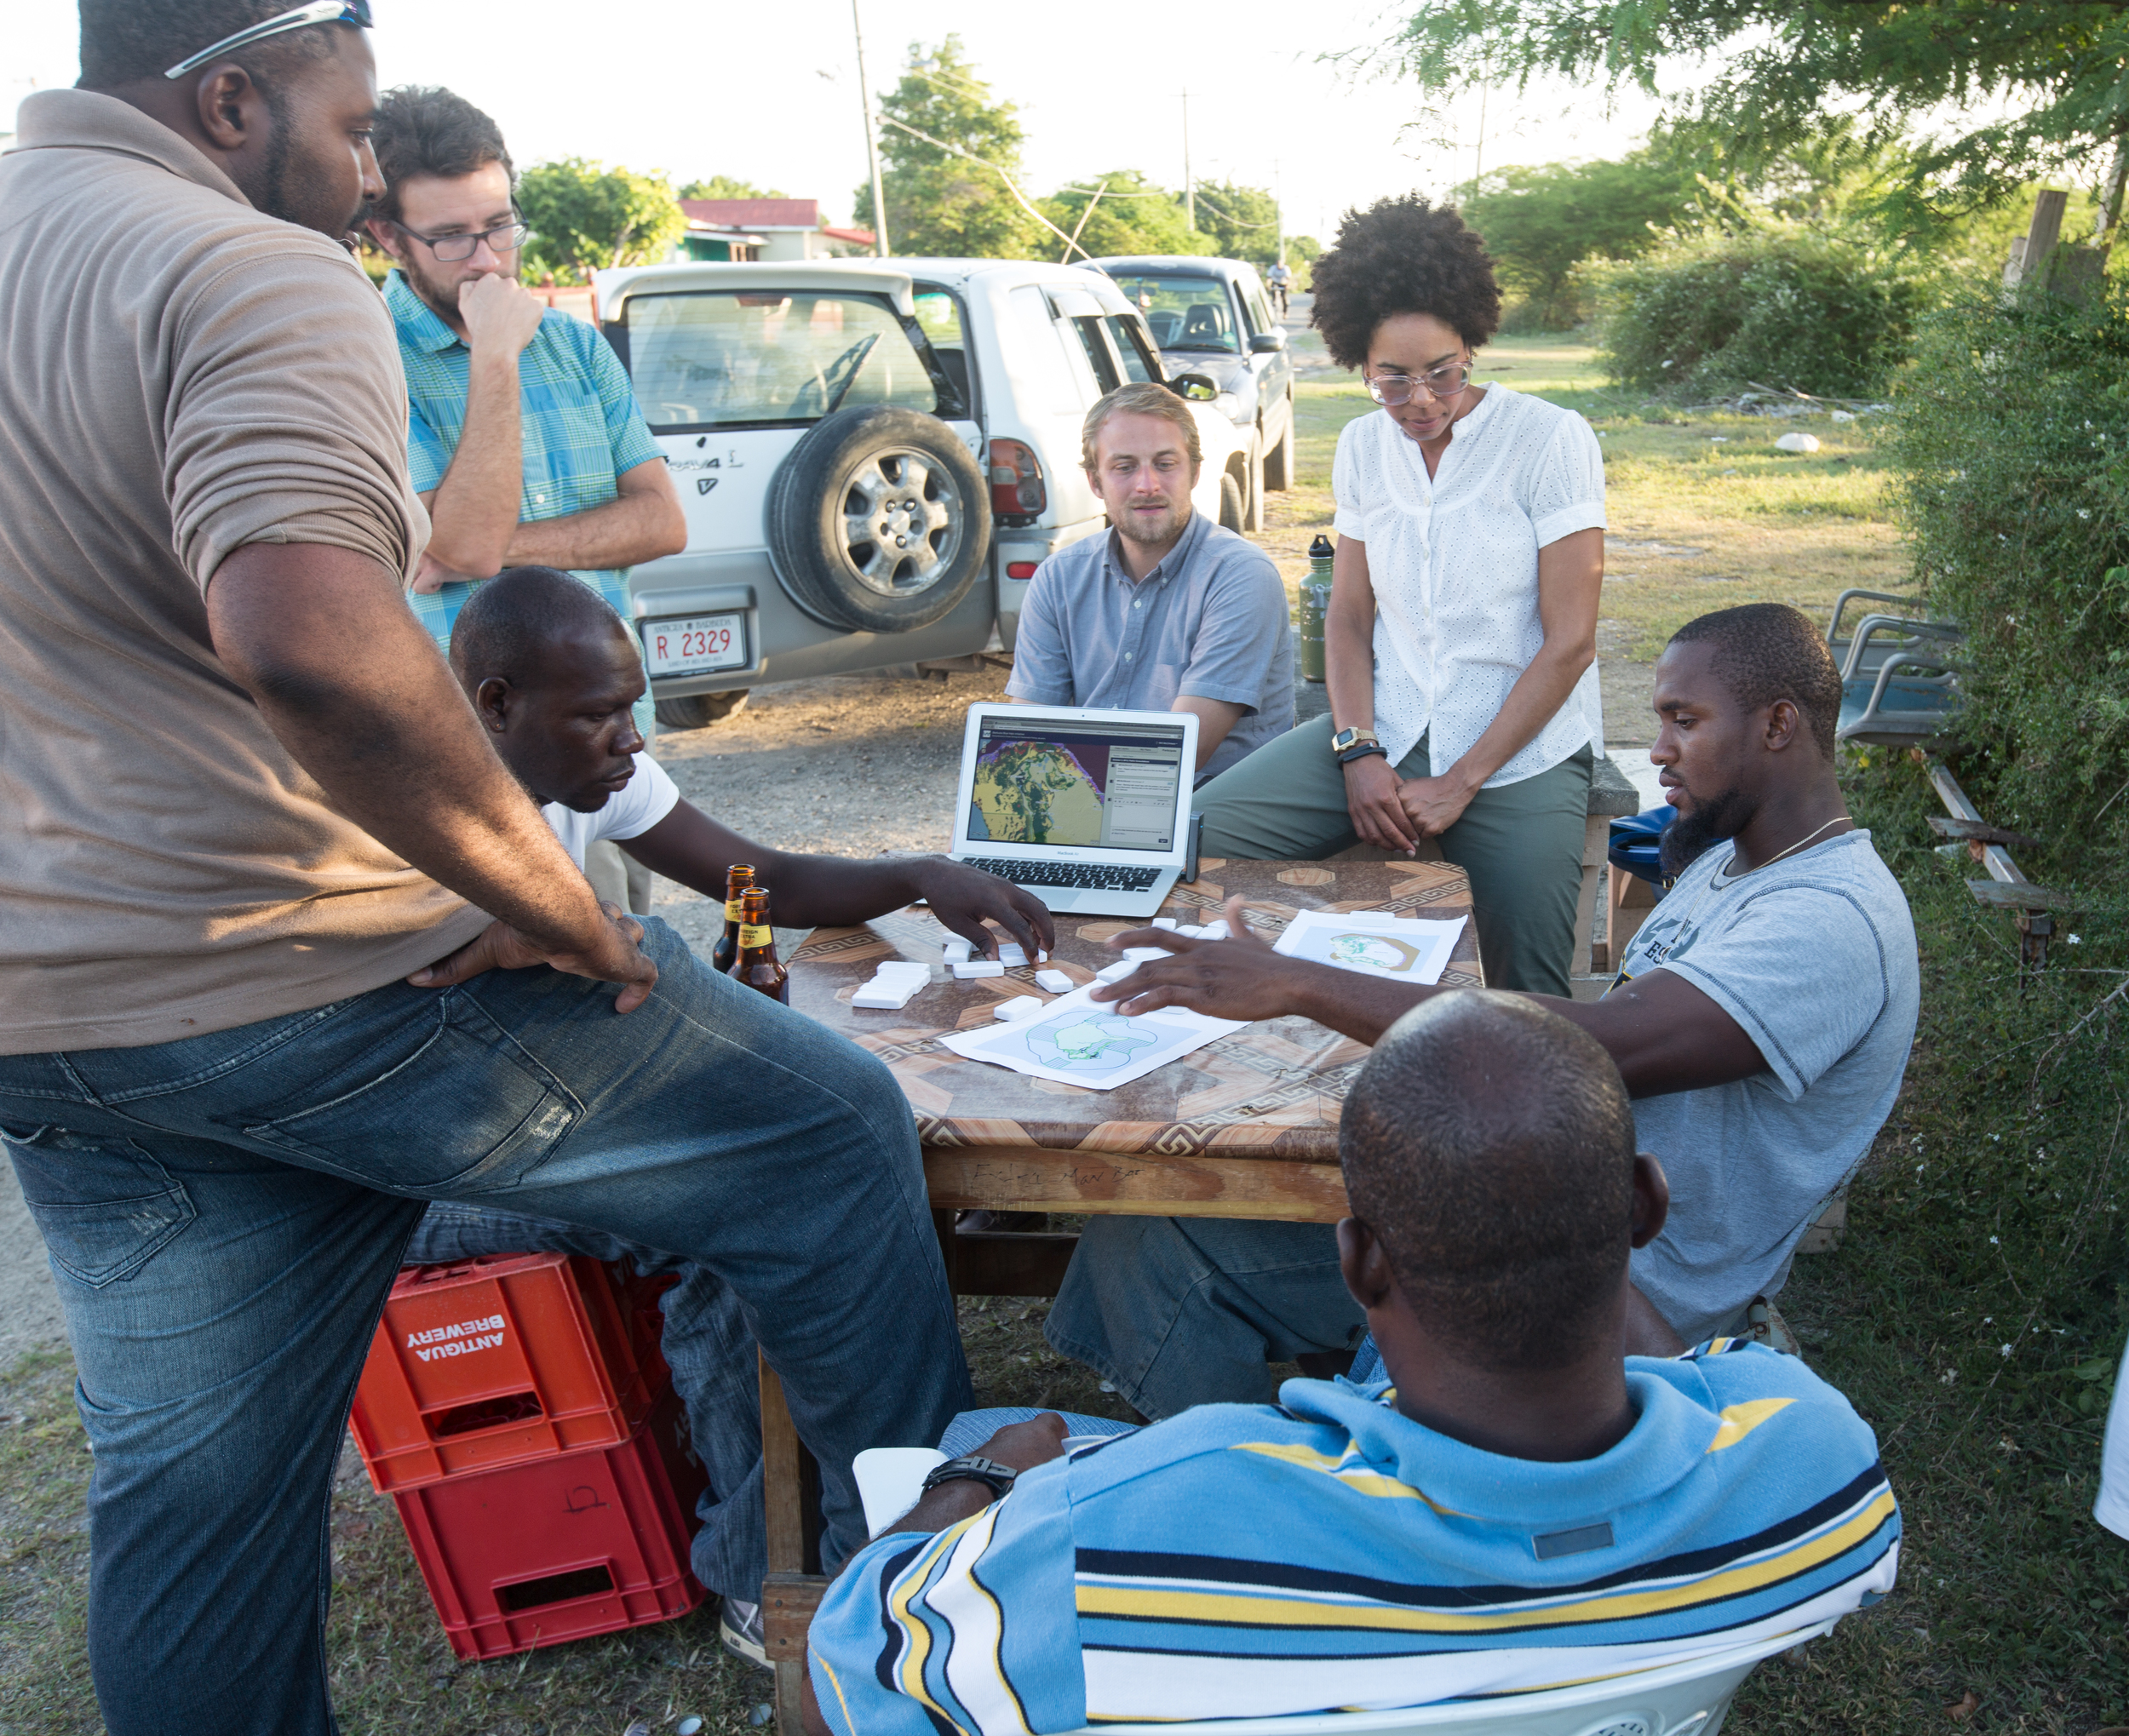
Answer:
(1316, 591)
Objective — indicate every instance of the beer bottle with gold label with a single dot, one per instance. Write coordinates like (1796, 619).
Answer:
(726, 954)
(757, 967)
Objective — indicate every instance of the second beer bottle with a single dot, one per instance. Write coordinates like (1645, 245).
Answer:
(758, 966)
(726, 954)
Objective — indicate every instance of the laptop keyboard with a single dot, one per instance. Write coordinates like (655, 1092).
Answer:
(1090, 876)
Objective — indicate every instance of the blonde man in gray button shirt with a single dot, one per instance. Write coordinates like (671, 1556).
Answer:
(1168, 612)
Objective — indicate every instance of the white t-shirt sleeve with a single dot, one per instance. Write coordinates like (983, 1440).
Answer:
(646, 799)
(1352, 517)
(1803, 1023)
(1567, 486)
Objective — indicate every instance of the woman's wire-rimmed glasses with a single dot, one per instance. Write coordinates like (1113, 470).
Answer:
(1445, 381)
(504, 237)
(355, 12)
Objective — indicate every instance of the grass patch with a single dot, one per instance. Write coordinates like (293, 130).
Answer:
(1975, 1316)
(393, 1673)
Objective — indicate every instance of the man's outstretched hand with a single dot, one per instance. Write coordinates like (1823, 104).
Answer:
(614, 956)
(964, 897)
(1240, 978)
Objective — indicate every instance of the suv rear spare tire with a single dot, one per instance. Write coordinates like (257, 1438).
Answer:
(879, 520)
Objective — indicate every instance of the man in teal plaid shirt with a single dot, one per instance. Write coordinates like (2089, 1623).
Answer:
(523, 436)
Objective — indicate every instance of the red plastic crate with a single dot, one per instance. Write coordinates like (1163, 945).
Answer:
(498, 1361)
(585, 1543)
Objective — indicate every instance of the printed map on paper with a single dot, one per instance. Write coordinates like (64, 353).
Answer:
(1403, 949)
(1078, 1041)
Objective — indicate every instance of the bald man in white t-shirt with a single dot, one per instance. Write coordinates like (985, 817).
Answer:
(553, 674)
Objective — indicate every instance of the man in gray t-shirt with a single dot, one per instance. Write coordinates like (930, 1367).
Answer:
(1168, 612)
(1761, 1024)
(1814, 959)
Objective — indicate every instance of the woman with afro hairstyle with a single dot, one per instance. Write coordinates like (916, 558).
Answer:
(1461, 639)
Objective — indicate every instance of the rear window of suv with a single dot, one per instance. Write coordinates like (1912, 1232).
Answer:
(709, 359)
(1183, 313)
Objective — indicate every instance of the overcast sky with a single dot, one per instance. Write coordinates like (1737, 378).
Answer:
(769, 93)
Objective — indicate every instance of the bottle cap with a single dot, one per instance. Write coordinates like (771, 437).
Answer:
(1321, 549)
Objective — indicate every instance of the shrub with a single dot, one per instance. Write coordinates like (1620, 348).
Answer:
(2011, 442)
(1779, 304)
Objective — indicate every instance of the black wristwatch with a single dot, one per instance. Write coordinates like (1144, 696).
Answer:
(1361, 751)
(974, 1467)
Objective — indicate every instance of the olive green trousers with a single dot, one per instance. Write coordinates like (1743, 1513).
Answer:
(1521, 843)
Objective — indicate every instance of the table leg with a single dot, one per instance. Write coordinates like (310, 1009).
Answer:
(792, 1589)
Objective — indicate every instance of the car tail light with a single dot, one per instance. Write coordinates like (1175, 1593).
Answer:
(1019, 569)
(1016, 481)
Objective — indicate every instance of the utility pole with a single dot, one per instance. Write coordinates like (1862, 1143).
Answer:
(1189, 186)
(872, 146)
(1478, 156)
(1278, 211)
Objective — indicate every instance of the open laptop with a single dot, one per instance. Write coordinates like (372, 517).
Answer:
(1089, 810)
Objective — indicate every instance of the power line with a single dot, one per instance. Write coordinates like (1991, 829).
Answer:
(1012, 187)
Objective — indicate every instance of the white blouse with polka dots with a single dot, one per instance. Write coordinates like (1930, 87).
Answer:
(1453, 559)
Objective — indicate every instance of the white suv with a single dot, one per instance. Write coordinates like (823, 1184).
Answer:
(873, 455)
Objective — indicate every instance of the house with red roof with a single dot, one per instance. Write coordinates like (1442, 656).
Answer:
(742, 229)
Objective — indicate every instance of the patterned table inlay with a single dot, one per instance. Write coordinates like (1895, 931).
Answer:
(1272, 1089)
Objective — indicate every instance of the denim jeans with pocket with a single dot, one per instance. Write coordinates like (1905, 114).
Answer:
(225, 1214)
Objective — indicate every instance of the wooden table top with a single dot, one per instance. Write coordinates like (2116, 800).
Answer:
(1273, 1089)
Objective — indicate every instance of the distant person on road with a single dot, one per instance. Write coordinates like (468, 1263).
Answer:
(1460, 643)
(242, 801)
(1280, 281)
(553, 673)
(1168, 612)
(523, 437)
(1512, 1504)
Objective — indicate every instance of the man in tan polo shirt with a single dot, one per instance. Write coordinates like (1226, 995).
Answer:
(241, 802)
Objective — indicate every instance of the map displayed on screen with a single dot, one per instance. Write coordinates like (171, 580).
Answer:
(1042, 792)
(1107, 787)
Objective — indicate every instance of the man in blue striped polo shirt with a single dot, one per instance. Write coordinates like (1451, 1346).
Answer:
(524, 439)
(1515, 1505)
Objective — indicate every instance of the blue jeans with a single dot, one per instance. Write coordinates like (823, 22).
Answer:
(1183, 1311)
(225, 1215)
(707, 1346)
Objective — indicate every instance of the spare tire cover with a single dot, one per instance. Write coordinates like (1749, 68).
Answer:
(879, 520)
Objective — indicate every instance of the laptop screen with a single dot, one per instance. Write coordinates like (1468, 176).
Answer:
(1072, 785)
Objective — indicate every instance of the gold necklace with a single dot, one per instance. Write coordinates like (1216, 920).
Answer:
(1708, 885)
(1792, 849)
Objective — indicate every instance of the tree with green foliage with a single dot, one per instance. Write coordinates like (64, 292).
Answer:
(949, 162)
(1797, 306)
(2037, 85)
(723, 187)
(1242, 222)
(1130, 215)
(586, 217)
(2013, 446)
(1540, 224)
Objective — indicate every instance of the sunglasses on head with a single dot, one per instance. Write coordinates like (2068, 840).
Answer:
(355, 12)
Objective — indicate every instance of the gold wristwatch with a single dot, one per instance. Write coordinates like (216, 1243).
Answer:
(1347, 740)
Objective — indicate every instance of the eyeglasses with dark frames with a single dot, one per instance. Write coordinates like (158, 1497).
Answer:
(450, 249)
(1445, 381)
(355, 12)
